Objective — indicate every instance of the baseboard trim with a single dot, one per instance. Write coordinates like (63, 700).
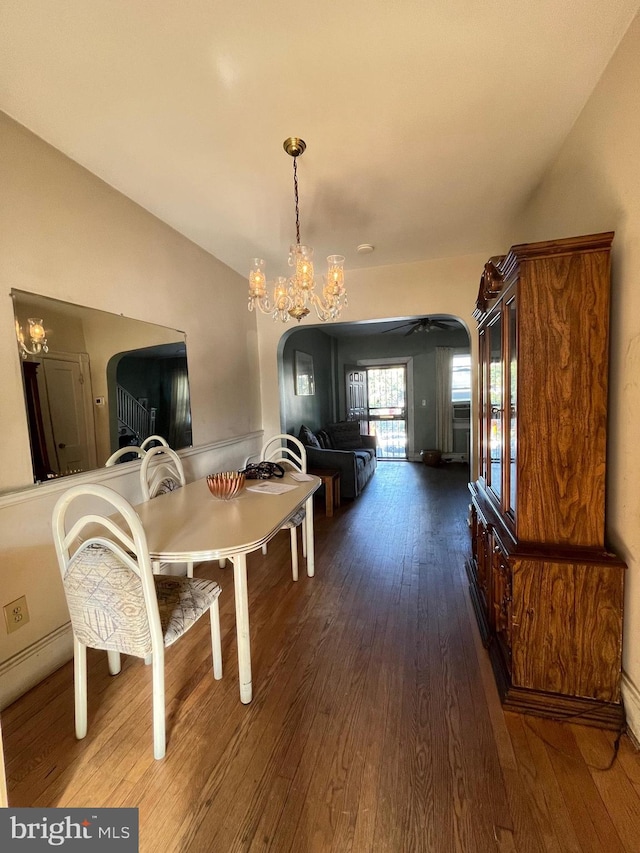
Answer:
(31, 665)
(631, 699)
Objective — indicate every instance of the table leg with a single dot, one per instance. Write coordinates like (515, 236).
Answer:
(310, 544)
(242, 626)
(328, 495)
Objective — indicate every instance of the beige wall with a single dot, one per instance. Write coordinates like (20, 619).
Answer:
(594, 185)
(66, 234)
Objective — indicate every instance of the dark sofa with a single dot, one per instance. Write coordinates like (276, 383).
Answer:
(342, 448)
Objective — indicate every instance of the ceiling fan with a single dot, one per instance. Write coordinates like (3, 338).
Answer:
(425, 324)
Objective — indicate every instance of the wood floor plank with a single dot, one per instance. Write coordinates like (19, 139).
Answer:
(375, 725)
(591, 822)
(616, 790)
(540, 789)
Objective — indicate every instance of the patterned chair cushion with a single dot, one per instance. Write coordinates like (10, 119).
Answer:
(168, 484)
(106, 602)
(107, 606)
(181, 602)
(295, 520)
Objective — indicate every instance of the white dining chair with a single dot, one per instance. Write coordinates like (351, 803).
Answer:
(288, 451)
(115, 601)
(154, 440)
(124, 451)
(161, 471)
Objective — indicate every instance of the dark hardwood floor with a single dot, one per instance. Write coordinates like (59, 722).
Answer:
(375, 724)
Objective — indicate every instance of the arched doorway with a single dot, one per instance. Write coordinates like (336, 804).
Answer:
(412, 342)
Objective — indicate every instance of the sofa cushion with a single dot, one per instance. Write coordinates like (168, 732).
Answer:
(324, 439)
(362, 458)
(308, 438)
(367, 452)
(345, 435)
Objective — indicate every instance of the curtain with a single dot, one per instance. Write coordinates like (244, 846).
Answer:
(180, 425)
(444, 407)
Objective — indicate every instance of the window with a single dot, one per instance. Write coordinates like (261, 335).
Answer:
(461, 378)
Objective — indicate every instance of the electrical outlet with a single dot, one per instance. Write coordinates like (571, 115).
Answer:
(16, 614)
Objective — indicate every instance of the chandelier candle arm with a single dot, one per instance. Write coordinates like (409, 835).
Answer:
(293, 297)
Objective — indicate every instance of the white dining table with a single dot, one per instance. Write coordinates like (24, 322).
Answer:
(189, 524)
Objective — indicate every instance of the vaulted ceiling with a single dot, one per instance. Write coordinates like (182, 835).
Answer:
(427, 123)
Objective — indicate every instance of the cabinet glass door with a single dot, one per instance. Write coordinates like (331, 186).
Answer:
(512, 412)
(483, 407)
(496, 406)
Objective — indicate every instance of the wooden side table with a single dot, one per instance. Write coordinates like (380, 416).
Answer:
(331, 482)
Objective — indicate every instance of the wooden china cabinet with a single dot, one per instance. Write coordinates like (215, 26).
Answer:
(547, 593)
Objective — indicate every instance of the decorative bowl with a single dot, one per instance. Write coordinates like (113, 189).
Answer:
(225, 485)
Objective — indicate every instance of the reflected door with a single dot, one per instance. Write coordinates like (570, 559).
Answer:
(69, 399)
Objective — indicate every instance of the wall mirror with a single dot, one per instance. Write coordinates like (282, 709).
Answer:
(95, 381)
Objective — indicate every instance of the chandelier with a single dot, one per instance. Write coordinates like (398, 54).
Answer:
(37, 338)
(293, 296)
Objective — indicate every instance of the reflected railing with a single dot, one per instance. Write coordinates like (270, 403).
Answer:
(391, 436)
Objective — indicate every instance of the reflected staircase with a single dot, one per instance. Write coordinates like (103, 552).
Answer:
(133, 416)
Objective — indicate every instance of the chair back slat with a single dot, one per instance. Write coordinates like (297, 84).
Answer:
(95, 521)
(124, 451)
(151, 439)
(285, 448)
(161, 471)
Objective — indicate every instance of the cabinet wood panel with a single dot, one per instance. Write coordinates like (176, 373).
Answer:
(562, 401)
(567, 628)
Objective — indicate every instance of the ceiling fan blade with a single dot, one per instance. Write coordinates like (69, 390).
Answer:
(439, 324)
(401, 326)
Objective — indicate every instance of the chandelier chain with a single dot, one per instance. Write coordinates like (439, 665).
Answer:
(295, 189)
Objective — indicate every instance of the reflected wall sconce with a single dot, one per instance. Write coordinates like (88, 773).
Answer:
(36, 336)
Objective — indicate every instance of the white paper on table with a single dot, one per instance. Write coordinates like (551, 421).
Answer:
(271, 488)
(300, 477)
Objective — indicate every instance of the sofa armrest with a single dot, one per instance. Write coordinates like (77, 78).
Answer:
(370, 441)
(343, 461)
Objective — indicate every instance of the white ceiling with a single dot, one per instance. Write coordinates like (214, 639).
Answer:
(427, 122)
